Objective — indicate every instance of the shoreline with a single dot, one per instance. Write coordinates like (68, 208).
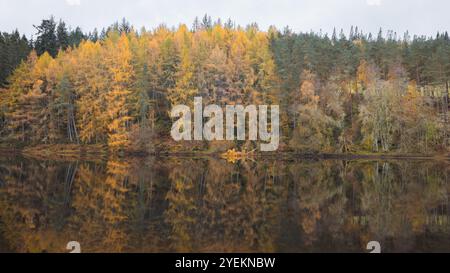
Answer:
(70, 151)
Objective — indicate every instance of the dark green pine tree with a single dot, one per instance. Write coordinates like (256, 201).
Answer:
(13, 49)
(62, 36)
(76, 37)
(437, 67)
(93, 36)
(170, 60)
(207, 22)
(46, 40)
(65, 106)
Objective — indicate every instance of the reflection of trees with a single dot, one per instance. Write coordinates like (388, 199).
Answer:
(115, 207)
(181, 210)
(222, 207)
(156, 205)
(401, 200)
(317, 198)
(33, 209)
(45, 205)
(147, 194)
(101, 197)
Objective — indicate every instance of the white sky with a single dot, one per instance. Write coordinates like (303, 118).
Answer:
(418, 16)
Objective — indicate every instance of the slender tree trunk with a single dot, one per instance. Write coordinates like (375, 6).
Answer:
(69, 131)
(446, 97)
(71, 126)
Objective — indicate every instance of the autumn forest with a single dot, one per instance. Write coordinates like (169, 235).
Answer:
(344, 92)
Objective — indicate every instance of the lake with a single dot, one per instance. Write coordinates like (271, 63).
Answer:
(175, 204)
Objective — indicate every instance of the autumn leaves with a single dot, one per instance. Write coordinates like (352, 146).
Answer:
(119, 91)
(235, 120)
(336, 95)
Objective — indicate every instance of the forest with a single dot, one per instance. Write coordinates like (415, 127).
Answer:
(344, 93)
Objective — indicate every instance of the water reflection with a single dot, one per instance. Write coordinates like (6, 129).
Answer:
(209, 205)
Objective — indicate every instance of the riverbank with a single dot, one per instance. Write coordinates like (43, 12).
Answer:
(58, 151)
(96, 152)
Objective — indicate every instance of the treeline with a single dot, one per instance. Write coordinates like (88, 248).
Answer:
(337, 94)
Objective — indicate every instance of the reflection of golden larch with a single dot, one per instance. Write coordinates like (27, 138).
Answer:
(233, 156)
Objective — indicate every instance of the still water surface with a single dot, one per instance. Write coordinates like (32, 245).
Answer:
(209, 205)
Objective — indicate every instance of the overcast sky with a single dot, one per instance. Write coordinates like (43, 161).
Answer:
(418, 16)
